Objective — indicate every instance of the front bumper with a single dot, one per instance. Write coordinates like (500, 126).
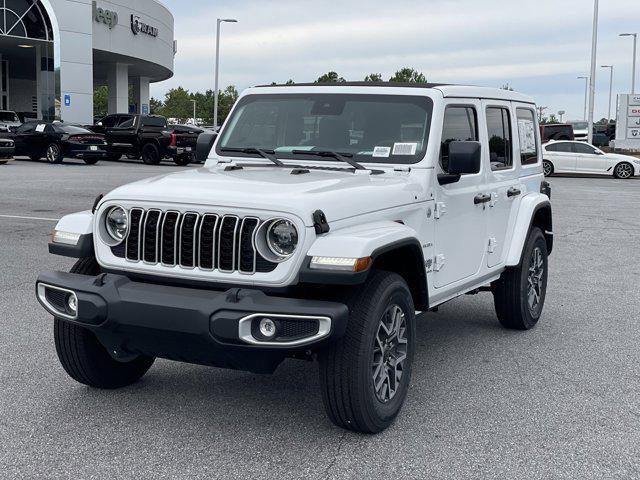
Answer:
(6, 152)
(198, 326)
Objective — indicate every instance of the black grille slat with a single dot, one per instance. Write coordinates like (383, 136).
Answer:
(151, 233)
(207, 241)
(247, 252)
(57, 298)
(133, 240)
(168, 238)
(191, 240)
(188, 240)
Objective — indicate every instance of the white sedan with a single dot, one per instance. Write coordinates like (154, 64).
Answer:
(580, 157)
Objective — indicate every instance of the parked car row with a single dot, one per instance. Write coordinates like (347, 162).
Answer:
(148, 137)
(602, 134)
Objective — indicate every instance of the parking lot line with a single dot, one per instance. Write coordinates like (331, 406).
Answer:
(19, 217)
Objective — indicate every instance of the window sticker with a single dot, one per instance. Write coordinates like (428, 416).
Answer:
(381, 152)
(40, 128)
(527, 133)
(405, 148)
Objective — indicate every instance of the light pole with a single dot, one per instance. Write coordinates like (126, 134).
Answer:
(586, 93)
(610, 67)
(215, 93)
(561, 114)
(592, 80)
(194, 112)
(633, 69)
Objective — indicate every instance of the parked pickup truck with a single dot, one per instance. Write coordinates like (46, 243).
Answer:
(323, 219)
(145, 136)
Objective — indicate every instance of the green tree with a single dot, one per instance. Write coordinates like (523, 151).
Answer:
(100, 101)
(408, 75)
(177, 104)
(552, 119)
(330, 77)
(373, 77)
(155, 106)
(226, 99)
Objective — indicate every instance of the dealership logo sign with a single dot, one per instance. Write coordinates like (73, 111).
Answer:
(108, 17)
(138, 27)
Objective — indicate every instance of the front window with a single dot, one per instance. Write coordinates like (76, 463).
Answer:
(367, 128)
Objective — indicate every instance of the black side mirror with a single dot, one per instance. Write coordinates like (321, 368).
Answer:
(204, 145)
(464, 159)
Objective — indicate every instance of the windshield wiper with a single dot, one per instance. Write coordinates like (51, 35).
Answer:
(268, 154)
(343, 157)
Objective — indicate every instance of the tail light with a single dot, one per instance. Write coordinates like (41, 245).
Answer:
(174, 140)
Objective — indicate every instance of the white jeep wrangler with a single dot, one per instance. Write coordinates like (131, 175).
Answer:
(323, 219)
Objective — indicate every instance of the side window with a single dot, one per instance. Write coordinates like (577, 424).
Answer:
(125, 119)
(460, 124)
(559, 147)
(128, 123)
(109, 121)
(583, 148)
(49, 129)
(26, 128)
(500, 145)
(529, 146)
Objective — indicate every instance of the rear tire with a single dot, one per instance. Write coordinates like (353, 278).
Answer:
(150, 154)
(623, 171)
(85, 359)
(547, 168)
(91, 161)
(357, 392)
(182, 161)
(54, 153)
(520, 293)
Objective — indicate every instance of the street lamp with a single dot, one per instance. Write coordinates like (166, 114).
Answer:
(561, 114)
(194, 112)
(610, 88)
(215, 93)
(592, 75)
(633, 69)
(586, 93)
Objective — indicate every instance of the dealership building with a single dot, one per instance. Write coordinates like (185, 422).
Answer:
(53, 53)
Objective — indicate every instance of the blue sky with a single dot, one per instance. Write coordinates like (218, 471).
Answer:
(539, 47)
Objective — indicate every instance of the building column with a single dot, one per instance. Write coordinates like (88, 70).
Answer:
(141, 95)
(118, 84)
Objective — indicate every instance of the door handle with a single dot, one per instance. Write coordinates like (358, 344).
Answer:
(513, 192)
(483, 198)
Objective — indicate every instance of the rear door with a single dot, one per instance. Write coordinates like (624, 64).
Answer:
(503, 182)
(562, 156)
(121, 138)
(21, 139)
(461, 224)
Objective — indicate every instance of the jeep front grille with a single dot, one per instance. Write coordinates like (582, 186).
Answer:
(192, 240)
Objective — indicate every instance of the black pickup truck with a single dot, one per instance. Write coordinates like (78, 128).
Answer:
(144, 136)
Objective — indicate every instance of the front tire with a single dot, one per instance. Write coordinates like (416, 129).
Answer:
(85, 359)
(623, 171)
(54, 153)
(520, 293)
(182, 161)
(365, 375)
(547, 168)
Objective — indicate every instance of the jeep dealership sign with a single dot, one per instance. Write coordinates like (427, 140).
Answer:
(108, 17)
(628, 123)
(137, 27)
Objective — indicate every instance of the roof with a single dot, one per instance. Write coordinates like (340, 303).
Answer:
(447, 90)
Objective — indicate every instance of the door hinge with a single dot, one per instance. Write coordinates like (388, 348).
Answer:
(439, 262)
(493, 243)
(439, 210)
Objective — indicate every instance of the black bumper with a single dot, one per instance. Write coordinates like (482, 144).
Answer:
(86, 153)
(6, 152)
(192, 325)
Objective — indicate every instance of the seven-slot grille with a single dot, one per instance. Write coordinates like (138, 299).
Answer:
(192, 240)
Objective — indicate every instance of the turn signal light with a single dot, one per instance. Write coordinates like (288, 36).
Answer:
(66, 238)
(341, 264)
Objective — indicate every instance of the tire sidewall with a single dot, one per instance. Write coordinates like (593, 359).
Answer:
(547, 162)
(536, 239)
(58, 157)
(617, 175)
(150, 154)
(384, 413)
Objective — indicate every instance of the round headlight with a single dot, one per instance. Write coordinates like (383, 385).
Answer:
(282, 238)
(117, 223)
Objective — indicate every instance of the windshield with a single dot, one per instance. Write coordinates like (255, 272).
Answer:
(8, 117)
(70, 129)
(580, 125)
(368, 128)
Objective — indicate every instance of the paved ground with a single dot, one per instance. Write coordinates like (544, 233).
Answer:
(562, 401)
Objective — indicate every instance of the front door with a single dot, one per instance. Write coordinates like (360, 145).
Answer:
(503, 182)
(461, 224)
(589, 159)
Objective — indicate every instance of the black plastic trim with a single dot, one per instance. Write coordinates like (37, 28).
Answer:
(83, 249)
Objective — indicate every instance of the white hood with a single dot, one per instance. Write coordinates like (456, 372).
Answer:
(339, 195)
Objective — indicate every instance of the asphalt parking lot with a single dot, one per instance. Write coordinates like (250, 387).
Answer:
(561, 401)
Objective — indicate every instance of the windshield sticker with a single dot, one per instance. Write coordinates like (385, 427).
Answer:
(381, 152)
(40, 128)
(527, 133)
(405, 148)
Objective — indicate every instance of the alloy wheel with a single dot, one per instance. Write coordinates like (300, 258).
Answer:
(53, 152)
(547, 168)
(624, 171)
(535, 281)
(389, 353)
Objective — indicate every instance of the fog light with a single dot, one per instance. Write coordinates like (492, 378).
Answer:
(72, 303)
(267, 328)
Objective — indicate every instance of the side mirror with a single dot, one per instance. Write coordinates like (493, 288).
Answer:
(204, 145)
(464, 159)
